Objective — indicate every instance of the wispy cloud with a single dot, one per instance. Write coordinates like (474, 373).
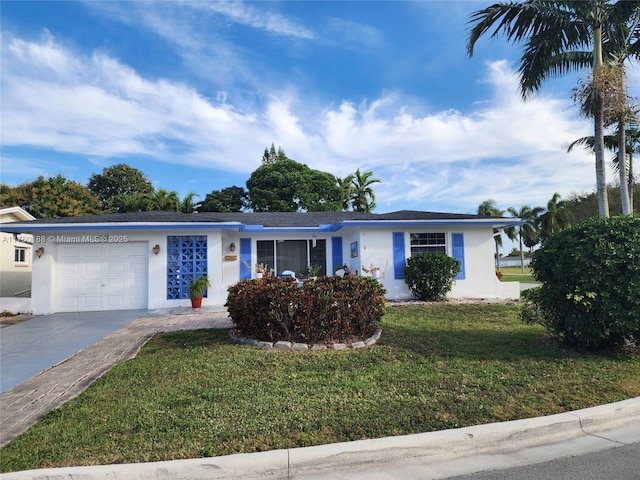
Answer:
(350, 35)
(96, 106)
(257, 16)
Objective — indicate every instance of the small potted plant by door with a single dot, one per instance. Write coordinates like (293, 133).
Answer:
(197, 289)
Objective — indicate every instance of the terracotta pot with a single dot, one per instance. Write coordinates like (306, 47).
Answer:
(196, 302)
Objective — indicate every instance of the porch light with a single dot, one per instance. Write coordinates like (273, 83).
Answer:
(232, 247)
(156, 249)
(40, 252)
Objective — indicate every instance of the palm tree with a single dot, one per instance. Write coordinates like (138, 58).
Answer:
(346, 188)
(362, 196)
(612, 143)
(489, 208)
(632, 136)
(188, 204)
(556, 217)
(166, 200)
(527, 230)
(561, 37)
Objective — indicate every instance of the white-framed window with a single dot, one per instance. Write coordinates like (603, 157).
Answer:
(428, 243)
(20, 255)
(294, 255)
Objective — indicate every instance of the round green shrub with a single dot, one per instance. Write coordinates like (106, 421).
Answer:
(329, 309)
(590, 274)
(430, 276)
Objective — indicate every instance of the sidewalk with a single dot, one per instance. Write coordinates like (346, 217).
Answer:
(23, 405)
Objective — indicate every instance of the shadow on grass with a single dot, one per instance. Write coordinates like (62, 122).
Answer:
(466, 344)
(476, 344)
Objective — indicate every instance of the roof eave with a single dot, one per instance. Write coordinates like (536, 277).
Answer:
(56, 227)
(18, 211)
(323, 228)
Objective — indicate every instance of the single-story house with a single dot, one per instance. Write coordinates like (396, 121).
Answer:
(148, 259)
(15, 255)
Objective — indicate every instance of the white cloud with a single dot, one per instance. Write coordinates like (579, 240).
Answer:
(257, 18)
(95, 105)
(351, 35)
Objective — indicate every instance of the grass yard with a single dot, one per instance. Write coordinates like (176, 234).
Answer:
(515, 274)
(194, 394)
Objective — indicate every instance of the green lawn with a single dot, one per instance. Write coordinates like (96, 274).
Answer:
(193, 394)
(515, 274)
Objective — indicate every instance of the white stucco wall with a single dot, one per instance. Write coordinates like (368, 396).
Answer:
(44, 268)
(480, 280)
(374, 247)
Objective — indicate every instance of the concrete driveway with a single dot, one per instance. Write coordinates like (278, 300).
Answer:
(32, 346)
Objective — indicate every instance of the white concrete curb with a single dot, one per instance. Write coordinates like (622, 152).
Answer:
(495, 438)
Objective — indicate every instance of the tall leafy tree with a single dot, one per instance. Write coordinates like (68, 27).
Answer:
(118, 182)
(229, 199)
(289, 186)
(51, 198)
(133, 202)
(362, 195)
(528, 230)
(272, 156)
(560, 37)
(581, 206)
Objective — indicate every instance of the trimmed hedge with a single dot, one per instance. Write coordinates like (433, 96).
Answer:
(430, 276)
(590, 274)
(329, 309)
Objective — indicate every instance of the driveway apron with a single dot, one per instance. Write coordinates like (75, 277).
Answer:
(73, 350)
(32, 346)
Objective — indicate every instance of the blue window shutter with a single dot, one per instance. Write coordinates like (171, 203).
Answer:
(336, 253)
(245, 258)
(457, 250)
(399, 258)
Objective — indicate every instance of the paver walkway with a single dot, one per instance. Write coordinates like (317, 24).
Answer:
(22, 406)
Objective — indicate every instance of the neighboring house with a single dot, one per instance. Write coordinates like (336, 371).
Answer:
(148, 259)
(514, 261)
(16, 255)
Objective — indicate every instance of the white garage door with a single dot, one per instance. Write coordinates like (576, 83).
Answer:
(101, 276)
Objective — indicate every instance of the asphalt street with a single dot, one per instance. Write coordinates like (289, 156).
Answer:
(622, 463)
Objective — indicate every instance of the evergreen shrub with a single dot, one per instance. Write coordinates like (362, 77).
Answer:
(328, 309)
(430, 276)
(590, 292)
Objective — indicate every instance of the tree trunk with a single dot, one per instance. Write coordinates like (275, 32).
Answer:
(630, 182)
(598, 116)
(601, 175)
(622, 169)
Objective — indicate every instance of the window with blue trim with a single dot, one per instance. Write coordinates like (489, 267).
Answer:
(186, 261)
(294, 255)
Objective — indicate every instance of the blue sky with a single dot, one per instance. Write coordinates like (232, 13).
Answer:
(191, 93)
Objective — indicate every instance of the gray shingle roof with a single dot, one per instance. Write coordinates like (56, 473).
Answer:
(264, 219)
(259, 218)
